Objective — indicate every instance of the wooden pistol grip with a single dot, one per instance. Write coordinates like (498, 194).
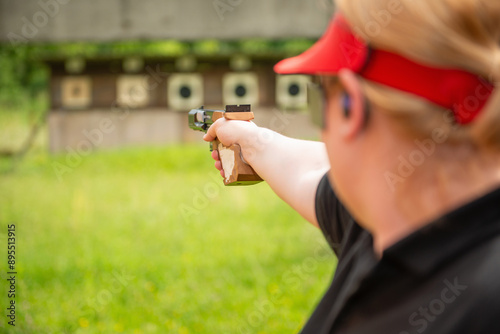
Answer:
(236, 171)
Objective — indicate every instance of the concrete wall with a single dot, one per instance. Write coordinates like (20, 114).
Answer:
(102, 129)
(112, 20)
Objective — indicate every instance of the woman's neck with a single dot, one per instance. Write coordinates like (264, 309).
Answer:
(431, 191)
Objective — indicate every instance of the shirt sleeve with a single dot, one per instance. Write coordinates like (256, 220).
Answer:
(333, 218)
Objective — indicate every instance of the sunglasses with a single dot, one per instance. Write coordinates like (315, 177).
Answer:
(316, 101)
(317, 98)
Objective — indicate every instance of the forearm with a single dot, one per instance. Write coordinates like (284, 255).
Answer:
(291, 167)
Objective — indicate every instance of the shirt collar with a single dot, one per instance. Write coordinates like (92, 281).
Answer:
(446, 238)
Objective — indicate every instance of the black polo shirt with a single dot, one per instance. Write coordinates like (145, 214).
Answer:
(443, 278)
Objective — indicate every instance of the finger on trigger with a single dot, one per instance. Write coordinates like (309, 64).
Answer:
(211, 132)
(208, 137)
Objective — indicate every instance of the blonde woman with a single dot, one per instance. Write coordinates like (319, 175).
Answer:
(406, 184)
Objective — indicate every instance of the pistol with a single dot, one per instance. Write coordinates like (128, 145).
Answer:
(236, 171)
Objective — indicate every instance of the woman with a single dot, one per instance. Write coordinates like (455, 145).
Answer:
(406, 184)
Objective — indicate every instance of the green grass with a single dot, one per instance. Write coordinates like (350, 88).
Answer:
(147, 240)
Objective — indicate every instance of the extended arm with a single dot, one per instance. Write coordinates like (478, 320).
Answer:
(292, 167)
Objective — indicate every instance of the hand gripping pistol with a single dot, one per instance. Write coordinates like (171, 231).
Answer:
(237, 172)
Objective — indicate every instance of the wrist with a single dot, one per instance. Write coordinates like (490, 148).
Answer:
(254, 141)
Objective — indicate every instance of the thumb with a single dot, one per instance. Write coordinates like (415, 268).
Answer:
(212, 130)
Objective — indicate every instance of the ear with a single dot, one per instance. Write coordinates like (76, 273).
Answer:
(353, 125)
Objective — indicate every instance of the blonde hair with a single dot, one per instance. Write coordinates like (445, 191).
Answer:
(461, 34)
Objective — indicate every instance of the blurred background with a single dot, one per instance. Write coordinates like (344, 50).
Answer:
(123, 225)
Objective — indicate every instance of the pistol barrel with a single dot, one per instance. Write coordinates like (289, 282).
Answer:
(200, 119)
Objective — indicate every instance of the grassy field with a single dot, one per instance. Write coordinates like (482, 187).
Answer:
(147, 240)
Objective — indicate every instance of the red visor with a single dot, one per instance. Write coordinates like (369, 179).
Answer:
(460, 91)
